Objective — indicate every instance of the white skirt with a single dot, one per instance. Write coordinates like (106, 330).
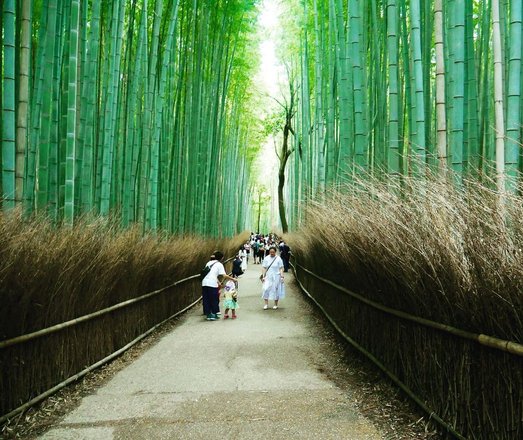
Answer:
(273, 287)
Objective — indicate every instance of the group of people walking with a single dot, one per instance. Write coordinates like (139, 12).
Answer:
(259, 246)
(272, 276)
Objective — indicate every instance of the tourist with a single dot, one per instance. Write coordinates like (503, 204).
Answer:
(230, 299)
(255, 248)
(261, 251)
(210, 286)
(285, 254)
(247, 248)
(272, 277)
(243, 256)
(237, 267)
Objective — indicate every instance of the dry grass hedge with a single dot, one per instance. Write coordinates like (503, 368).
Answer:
(449, 255)
(51, 275)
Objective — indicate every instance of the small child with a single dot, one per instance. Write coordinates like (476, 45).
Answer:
(230, 299)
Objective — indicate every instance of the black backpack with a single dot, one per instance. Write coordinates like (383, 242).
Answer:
(205, 271)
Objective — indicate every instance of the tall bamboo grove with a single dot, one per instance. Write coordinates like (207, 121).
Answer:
(139, 108)
(403, 87)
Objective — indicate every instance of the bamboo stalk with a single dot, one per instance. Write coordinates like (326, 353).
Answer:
(498, 97)
(441, 116)
(23, 97)
(488, 341)
(8, 122)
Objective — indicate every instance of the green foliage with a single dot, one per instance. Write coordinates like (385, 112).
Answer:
(167, 114)
(367, 75)
(164, 122)
(273, 123)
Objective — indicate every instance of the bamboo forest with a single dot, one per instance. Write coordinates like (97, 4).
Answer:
(380, 139)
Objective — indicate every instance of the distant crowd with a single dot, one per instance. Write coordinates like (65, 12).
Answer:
(216, 283)
(258, 246)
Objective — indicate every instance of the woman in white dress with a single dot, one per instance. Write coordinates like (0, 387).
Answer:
(272, 278)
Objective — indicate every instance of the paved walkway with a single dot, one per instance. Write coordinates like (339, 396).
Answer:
(257, 377)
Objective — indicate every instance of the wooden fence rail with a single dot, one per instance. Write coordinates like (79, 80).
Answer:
(470, 384)
(488, 341)
(72, 322)
(93, 367)
(35, 362)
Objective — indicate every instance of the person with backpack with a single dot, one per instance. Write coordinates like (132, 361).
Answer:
(237, 267)
(261, 251)
(212, 275)
(255, 246)
(247, 248)
(285, 254)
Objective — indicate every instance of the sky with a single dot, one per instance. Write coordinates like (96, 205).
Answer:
(269, 77)
(270, 68)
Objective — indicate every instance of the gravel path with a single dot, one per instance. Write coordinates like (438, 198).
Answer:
(263, 375)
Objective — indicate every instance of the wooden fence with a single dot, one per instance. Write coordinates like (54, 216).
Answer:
(36, 365)
(470, 384)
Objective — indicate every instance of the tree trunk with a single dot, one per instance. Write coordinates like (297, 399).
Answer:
(259, 212)
(281, 172)
(281, 202)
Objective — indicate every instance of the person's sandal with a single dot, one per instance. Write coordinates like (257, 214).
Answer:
(226, 316)
(265, 307)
